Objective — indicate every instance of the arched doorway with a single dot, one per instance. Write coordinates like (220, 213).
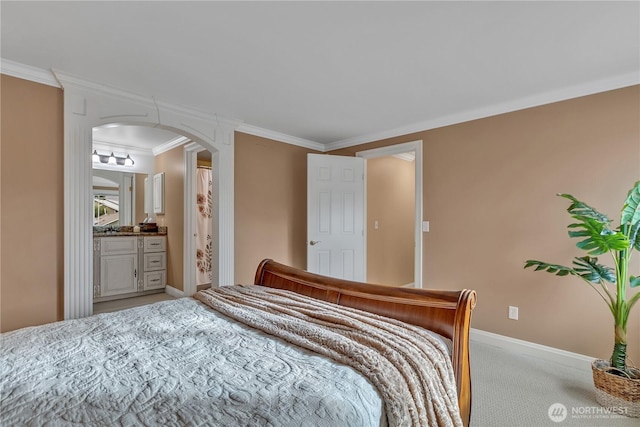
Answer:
(87, 105)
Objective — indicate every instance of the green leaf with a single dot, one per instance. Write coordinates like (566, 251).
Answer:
(558, 270)
(581, 209)
(634, 281)
(599, 238)
(634, 237)
(589, 269)
(634, 299)
(631, 209)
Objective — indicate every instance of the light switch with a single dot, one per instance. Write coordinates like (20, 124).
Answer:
(425, 226)
(375, 224)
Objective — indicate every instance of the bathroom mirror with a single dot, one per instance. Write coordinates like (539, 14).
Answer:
(115, 199)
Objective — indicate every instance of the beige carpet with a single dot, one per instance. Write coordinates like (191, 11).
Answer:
(511, 390)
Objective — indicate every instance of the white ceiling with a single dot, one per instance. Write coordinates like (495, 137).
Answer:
(125, 137)
(335, 73)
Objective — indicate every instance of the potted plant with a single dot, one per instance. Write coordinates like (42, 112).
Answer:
(617, 384)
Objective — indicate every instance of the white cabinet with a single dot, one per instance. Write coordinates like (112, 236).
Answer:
(158, 193)
(126, 266)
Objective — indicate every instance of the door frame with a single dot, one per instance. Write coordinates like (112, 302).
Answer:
(390, 150)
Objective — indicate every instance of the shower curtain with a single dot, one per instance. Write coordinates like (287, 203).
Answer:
(204, 248)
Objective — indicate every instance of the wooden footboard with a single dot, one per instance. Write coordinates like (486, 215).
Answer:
(447, 313)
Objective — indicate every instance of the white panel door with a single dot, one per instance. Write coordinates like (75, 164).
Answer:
(335, 216)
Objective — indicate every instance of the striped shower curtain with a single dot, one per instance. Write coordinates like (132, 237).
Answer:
(204, 249)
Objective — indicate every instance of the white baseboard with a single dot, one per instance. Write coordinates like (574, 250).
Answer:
(526, 348)
(176, 293)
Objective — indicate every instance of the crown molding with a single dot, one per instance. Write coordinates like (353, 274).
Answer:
(67, 80)
(27, 72)
(280, 137)
(570, 92)
(169, 145)
(60, 79)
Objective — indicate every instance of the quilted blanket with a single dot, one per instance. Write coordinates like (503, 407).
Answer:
(408, 365)
(173, 363)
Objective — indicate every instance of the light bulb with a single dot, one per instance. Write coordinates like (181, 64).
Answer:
(112, 159)
(95, 157)
(128, 161)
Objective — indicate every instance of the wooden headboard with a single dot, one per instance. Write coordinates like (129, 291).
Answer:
(447, 313)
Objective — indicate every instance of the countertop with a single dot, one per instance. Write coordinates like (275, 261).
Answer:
(126, 230)
(127, 233)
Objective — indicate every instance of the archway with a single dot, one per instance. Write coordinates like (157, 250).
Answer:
(87, 105)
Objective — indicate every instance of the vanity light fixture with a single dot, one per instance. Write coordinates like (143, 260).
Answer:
(112, 159)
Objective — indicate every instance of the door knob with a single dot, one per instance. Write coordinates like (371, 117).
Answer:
(314, 242)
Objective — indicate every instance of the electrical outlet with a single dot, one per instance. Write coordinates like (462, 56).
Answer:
(513, 312)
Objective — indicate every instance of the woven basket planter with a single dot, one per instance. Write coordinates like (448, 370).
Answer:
(616, 391)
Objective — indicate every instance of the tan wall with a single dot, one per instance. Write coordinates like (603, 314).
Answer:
(172, 164)
(489, 194)
(391, 202)
(31, 203)
(488, 190)
(270, 204)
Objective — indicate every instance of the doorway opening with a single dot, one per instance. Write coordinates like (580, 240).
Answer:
(392, 248)
(88, 105)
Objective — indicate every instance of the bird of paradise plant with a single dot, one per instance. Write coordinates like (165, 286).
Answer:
(598, 238)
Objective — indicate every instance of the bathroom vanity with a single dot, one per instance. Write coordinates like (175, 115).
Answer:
(127, 264)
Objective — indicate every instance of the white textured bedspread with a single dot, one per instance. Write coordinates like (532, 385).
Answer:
(173, 363)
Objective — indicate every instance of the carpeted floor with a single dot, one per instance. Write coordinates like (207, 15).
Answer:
(512, 390)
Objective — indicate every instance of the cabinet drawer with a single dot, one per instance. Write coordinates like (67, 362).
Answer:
(118, 245)
(155, 261)
(155, 243)
(155, 280)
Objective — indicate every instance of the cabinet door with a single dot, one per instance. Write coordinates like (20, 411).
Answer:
(158, 193)
(118, 274)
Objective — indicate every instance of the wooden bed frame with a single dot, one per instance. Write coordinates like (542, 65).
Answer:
(447, 313)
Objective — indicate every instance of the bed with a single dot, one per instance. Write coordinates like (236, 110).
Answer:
(225, 357)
